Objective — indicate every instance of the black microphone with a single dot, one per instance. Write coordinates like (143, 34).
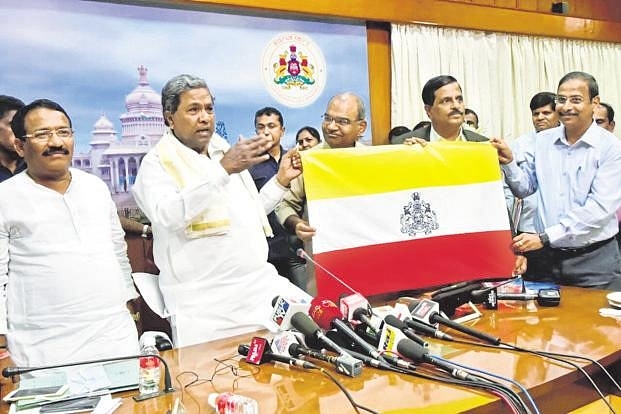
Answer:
(544, 297)
(362, 315)
(427, 329)
(415, 352)
(392, 320)
(268, 356)
(9, 372)
(327, 316)
(344, 364)
(303, 323)
(427, 311)
(373, 362)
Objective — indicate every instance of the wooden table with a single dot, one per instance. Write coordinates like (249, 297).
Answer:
(573, 327)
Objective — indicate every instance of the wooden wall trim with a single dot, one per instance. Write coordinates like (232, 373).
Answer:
(379, 63)
(436, 12)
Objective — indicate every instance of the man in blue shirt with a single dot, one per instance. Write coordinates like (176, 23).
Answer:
(577, 169)
(269, 122)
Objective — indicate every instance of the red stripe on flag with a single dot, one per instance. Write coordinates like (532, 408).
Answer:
(416, 264)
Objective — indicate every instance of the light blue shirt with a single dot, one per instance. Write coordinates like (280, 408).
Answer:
(579, 185)
(528, 207)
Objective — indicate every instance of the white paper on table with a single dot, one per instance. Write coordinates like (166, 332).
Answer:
(149, 289)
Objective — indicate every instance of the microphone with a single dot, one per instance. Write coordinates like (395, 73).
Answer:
(424, 328)
(345, 364)
(256, 353)
(351, 303)
(544, 297)
(373, 362)
(415, 352)
(10, 372)
(363, 315)
(328, 316)
(285, 308)
(310, 329)
(403, 327)
(427, 311)
(302, 253)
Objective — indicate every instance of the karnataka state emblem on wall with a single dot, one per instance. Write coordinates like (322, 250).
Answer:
(293, 69)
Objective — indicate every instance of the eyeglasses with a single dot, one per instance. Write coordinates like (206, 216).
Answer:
(46, 134)
(339, 121)
(562, 100)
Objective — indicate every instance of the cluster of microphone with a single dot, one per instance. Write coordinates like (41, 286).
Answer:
(351, 335)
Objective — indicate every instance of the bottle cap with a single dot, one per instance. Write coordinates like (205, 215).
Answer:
(148, 341)
(211, 399)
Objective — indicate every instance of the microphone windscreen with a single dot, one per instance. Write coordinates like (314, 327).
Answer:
(242, 349)
(324, 311)
(411, 350)
(396, 322)
(274, 300)
(294, 350)
(304, 324)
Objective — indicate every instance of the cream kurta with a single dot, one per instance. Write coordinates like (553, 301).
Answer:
(63, 261)
(219, 285)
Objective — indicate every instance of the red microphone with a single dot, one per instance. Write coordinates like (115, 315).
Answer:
(328, 316)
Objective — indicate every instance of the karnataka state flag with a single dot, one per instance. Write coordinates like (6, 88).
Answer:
(394, 217)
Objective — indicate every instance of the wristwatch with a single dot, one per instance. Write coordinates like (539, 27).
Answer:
(545, 240)
(145, 230)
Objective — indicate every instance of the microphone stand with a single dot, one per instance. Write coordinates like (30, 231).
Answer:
(9, 372)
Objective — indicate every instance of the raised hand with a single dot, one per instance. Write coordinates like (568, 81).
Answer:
(290, 167)
(245, 153)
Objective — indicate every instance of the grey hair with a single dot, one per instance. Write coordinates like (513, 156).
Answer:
(171, 92)
(362, 112)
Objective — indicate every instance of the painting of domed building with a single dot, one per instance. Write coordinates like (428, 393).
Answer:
(115, 160)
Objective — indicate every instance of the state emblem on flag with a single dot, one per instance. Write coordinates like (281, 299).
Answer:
(418, 217)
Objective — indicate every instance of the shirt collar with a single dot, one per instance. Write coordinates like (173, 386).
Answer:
(435, 137)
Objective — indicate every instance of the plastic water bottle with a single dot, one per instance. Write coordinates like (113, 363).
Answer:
(149, 379)
(229, 403)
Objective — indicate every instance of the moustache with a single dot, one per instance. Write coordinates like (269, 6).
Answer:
(55, 150)
(456, 112)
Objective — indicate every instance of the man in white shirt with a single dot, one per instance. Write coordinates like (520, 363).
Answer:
(64, 269)
(209, 221)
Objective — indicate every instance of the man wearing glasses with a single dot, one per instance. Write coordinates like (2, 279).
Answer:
(577, 169)
(444, 105)
(64, 270)
(343, 124)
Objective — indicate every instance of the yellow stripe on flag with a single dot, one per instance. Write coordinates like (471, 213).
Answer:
(356, 171)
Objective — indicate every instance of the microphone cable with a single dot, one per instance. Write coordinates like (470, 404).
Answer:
(499, 390)
(357, 407)
(491, 374)
(553, 356)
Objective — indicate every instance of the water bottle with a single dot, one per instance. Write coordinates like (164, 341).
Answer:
(149, 377)
(229, 403)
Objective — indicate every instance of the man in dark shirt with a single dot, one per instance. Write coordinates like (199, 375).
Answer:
(10, 162)
(268, 121)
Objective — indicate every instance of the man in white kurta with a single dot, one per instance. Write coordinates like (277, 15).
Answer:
(209, 222)
(63, 261)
